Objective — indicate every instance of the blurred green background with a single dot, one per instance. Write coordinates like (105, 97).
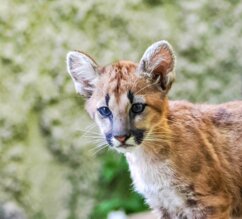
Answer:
(47, 168)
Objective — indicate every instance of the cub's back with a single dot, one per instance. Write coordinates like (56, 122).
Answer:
(217, 126)
(221, 117)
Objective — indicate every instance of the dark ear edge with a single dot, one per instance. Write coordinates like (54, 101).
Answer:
(158, 64)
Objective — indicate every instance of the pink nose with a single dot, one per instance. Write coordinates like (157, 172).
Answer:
(122, 138)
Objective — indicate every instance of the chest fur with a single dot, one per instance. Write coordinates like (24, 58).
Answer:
(156, 181)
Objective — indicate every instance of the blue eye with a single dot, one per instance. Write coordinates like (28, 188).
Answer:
(104, 111)
(138, 108)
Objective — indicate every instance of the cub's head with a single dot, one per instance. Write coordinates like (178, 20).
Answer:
(126, 100)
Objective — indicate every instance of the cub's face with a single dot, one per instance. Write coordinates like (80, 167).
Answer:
(126, 100)
(124, 106)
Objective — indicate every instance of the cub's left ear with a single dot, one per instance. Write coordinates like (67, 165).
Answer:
(158, 64)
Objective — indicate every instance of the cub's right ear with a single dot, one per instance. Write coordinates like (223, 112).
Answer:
(83, 71)
(158, 64)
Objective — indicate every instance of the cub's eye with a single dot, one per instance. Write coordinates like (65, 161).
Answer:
(138, 108)
(104, 111)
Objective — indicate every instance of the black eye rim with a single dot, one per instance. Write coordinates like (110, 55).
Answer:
(104, 111)
(140, 109)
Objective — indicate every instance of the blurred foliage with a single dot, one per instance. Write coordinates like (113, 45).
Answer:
(46, 166)
(115, 188)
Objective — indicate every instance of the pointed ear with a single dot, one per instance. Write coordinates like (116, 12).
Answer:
(158, 64)
(83, 71)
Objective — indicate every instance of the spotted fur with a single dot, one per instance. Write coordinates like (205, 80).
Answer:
(184, 158)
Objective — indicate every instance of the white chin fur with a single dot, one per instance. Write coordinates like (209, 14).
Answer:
(117, 145)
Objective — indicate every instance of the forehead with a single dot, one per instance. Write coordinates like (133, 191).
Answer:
(116, 81)
(118, 78)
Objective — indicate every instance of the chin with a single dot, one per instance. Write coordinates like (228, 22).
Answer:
(125, 149)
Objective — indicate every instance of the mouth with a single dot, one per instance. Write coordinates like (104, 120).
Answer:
(125, 146)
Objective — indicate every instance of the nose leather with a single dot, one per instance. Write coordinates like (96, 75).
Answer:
(122, 138)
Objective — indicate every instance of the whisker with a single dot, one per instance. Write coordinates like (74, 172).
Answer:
(151, 139)
(99, 144)
(88, 131)
(99, 148)
(160, 135)
(92, 136)
(94, 142)
(89, 127)
(161, 139)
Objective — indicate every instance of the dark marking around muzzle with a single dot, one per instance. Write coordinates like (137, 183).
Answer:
(108, 138)
(138, 135)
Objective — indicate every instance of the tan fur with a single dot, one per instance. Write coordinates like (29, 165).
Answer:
(189, 164)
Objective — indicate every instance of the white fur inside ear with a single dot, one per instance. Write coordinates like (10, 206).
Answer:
(158, 61)
(148, 63)
(82, 70)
